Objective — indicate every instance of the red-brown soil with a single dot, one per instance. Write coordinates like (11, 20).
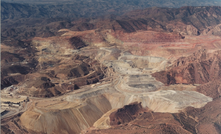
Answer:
(199, 68)
(211, 89)
(126, 114)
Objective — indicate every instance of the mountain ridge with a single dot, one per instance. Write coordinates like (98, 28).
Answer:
(184, 20)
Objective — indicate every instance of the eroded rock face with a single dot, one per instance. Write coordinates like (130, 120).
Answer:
(125, 114)
(214, 30)
(7, 57)
(6, 82)
(199, 68)
(76, 42)
(211, 89)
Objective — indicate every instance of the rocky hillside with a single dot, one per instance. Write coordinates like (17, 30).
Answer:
(40, 23)
(45, 66)
(199, 68)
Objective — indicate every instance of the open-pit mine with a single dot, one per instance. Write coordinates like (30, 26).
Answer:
(138, 75)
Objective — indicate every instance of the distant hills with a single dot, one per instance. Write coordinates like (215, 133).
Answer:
(11, 9)
(140, 3)
(24, 21)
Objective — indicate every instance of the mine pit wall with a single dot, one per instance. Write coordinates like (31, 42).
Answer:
(86, 110)
(152, 62)
(66, 121)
